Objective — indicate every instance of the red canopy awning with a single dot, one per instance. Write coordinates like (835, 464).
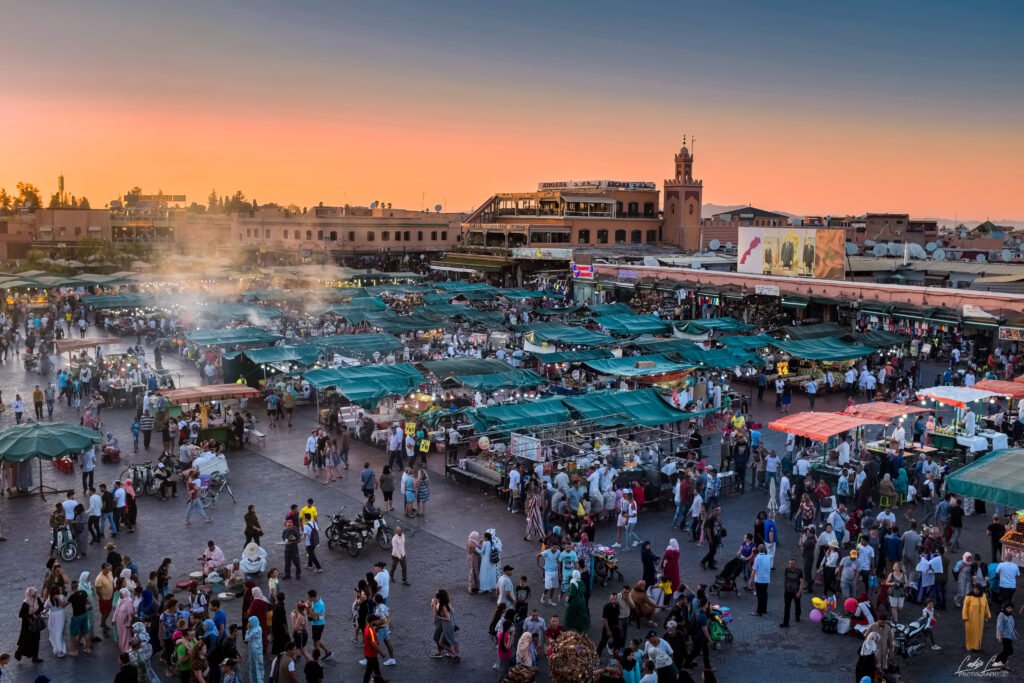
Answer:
(211, 392)
(65, 345)
(882, 410)
(820, 426)
(1014, 389)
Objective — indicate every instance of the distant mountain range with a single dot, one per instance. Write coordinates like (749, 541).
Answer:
(709, 210)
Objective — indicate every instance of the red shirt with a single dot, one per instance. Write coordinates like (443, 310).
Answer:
(369, 642)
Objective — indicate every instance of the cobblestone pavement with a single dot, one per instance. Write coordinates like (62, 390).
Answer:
(272, 477)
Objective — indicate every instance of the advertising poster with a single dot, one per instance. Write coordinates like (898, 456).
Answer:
(830, 255)
(792, 252)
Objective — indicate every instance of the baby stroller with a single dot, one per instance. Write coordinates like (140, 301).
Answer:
(718, 625)
(606, 564)
(726, 579)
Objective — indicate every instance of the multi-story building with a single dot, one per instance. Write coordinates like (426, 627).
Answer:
(724, 227)
(346, 230)
(144, 218)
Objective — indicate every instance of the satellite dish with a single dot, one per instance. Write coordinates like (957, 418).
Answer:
(374, 205)
(980, 258)
(869, 243)
(939, 255)
(651, 261)
(1007, 255)
(729, 245)
(714, 245)
(880, 250)
(895, 249)
(963, 234)
(930, 247)
(917, 251)
(852, 249)
(437, 208)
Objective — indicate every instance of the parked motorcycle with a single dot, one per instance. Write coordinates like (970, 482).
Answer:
(343, 533)
(31, 361)
(141, 476)
(372, 525)
(909, 638)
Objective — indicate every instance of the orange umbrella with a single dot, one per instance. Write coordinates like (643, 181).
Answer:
(820, 426)
(882, 410)
(1014, 389)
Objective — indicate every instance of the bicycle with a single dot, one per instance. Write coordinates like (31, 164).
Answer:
(211, 490)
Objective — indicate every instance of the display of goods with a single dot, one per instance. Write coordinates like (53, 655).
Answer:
(573, 658)
(521, 674)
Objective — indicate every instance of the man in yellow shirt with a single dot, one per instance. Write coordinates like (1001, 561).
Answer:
(309, 509)
(738, 421)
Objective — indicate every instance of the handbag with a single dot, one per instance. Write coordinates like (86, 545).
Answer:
(37, 624)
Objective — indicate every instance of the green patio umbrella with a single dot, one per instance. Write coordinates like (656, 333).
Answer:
(46, 441)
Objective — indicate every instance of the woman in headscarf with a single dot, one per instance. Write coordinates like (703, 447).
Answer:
(254, 559)
(526, 653)
(123, 614)
(670, 564)
(280, 635)
(964, 571)
(86, 586)
(488, 569)
(141, 654)
(55, 618)
(131, 500)
(901, 484)
(211, 639)
(259, 609)
(30, 612)
(886, 491)
(534, 516)
(576, 616)
(254, 641)
(473, 560)
(585, 553)
(247, 598)
(975, 613)
(649, 562)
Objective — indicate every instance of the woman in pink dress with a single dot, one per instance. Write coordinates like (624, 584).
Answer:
(123, 614)
(670, 563)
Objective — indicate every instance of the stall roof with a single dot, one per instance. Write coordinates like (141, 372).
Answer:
(366, 385)
(456, 367)
(637, 366)
(825, 349)
(633, 324)
(126, 300)
(718, 358)
(820, 426)
(1013, 389)
(566, 334)
(513, 378)
(818, 331)
(300, 354)
(565, 310)
(642, 407)
(517, 293)
(546, 411)
(210, 392)
(877, 338)
(66, 345)
(230, 336)
(393, 323)
(463, 312)
(233, 311)
(881, 410)
(611, 309)
(460, 287)
(997, 478)
(357, 345)
(577, 356)
(703, 326)
(748, 343)
(955, 396)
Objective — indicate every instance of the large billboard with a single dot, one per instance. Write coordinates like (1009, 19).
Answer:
(792, 252)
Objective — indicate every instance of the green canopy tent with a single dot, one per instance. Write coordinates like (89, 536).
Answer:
(644, 407)
(359, 346)
(748, 343)
(513, 379)
(252, 364)
(694, 353)
(454, 367)
(460, 287)
(552, 312)
(610, 309)
(538, 333)
(521, 294)
(366, 385)
(819, 331)
(826, 349)
(44, 441)
(393, 289)
(997, 478)
(232, 311)
(546, 411)
(703, 326)
(462, 312)
(232, 336)
(393, 323)
(877, 339)
(573, 356)
(633, 324)
(637, 366)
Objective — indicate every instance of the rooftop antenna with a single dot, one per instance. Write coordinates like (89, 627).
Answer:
(693, 144)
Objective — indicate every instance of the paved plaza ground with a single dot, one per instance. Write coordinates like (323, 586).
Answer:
(272, 477)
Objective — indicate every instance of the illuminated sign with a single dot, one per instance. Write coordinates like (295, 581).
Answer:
(596, 185)
(582, 272)
(552, 253)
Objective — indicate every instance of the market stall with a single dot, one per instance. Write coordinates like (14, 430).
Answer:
(1012, 391)
(822, 427)
(997, 478)
(963, 431)
(212, 423)
(896, 413)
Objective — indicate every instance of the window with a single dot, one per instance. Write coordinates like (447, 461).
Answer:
(634, 208)
(334, 236)
(618, 208)
(635, 237)
(406, 236)
(419, 235)
(691, 209)
(266, 233)
(602, 237)
(248, 232)
(398, 235)
(620, 237)
(433, 235)
(351, 235)
(385, 236)
(370, 236)
(648, 209)
(583, 237)
(444, 235)
(652, 235)
(78, 230)
(320, 235)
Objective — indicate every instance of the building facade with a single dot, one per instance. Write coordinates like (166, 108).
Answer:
(683, 200)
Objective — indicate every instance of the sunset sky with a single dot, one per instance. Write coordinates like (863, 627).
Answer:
(808, 107)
